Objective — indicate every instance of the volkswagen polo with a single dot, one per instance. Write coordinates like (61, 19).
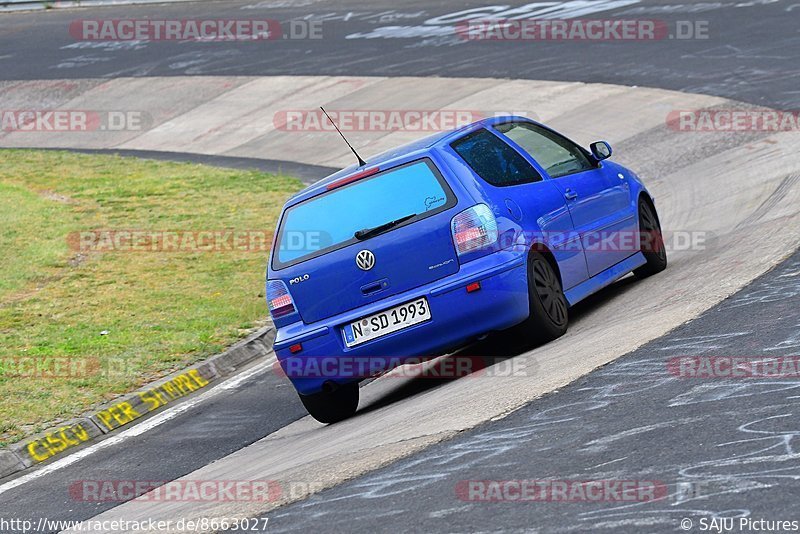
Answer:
(502, 223)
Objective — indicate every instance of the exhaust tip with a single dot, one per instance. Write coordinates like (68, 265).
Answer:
(330, 386)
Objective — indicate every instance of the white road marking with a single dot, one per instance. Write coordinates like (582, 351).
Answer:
(141, 428)
(606, 463)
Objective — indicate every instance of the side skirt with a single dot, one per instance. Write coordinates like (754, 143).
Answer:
(604, 278)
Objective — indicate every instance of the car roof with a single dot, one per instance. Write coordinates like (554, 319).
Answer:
(400, 154)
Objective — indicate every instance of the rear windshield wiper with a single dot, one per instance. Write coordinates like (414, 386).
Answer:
(366, 233)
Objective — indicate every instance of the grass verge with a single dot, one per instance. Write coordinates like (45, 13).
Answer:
(100, 324)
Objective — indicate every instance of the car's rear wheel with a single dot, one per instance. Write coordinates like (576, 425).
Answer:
(651, 242)
(549, 310)
(332, 406)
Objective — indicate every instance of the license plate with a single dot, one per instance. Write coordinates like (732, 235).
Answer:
(386, 322)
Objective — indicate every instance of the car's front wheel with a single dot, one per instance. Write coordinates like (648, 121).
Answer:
(549, 310)
(332, 406)
(651, 242)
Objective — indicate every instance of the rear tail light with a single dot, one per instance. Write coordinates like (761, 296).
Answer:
(474, 228)
(278, 299)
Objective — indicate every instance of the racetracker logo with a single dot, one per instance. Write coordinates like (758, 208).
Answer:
(208, 30)
(601, 30)
(734, 367)
(65, 120)
(605, 241)
(171, 241)
(176, 490)
(733, 120)
(560, 490)
(382, 120)
(63, 367)
(445, 367)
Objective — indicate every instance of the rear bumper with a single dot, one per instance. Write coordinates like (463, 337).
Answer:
(457, 317)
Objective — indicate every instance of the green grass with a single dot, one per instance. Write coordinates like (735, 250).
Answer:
(161, 310)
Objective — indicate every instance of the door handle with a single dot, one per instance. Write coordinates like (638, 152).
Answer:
(569, 194)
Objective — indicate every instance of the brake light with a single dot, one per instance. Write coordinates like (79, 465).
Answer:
(279, 300)
(352, 178)
(474, 228)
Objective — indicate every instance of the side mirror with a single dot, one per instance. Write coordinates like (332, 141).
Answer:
(600, 150)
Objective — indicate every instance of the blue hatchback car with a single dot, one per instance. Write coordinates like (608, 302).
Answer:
(503, 223)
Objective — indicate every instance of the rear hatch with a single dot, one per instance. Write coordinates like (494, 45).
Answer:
(366, 240)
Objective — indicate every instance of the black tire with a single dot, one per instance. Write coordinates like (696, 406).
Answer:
(332, 407)
(651, 242)
(549, 310)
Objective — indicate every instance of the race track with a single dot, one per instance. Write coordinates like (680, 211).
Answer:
(735, 196)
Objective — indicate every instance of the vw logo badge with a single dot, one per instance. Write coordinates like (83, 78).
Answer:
(365, 260)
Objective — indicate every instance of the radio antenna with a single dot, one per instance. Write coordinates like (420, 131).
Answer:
(361, 162)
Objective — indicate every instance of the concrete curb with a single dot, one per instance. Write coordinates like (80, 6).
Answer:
(57, 441)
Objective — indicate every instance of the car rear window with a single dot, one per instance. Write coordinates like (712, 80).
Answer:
(329, 221)
(494, 160)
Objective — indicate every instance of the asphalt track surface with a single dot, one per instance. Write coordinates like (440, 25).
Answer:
(655, 427)
(725, 447)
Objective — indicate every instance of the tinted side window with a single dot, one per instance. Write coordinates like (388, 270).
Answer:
(558, 156)
(494, 160)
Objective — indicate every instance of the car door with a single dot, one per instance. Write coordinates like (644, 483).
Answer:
(518, 189)
(597, 197)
